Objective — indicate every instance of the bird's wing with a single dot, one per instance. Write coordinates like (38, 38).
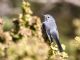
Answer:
(54, 35)
(47, 32)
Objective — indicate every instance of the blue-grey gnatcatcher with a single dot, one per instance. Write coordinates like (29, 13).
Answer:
(51, 30)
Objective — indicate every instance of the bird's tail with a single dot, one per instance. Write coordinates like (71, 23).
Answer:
(58, 42)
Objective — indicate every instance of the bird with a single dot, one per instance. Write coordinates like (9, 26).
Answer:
(50, 26)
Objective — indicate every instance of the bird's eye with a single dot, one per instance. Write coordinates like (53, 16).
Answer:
(48, 17)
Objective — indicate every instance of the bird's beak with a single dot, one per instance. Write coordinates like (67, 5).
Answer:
(44, 15)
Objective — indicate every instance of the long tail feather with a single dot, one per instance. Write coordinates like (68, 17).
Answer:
(58, 42)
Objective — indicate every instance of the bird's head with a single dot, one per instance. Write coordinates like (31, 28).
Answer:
(48, 17)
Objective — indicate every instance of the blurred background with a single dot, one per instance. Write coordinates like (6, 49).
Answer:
(65, 12)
